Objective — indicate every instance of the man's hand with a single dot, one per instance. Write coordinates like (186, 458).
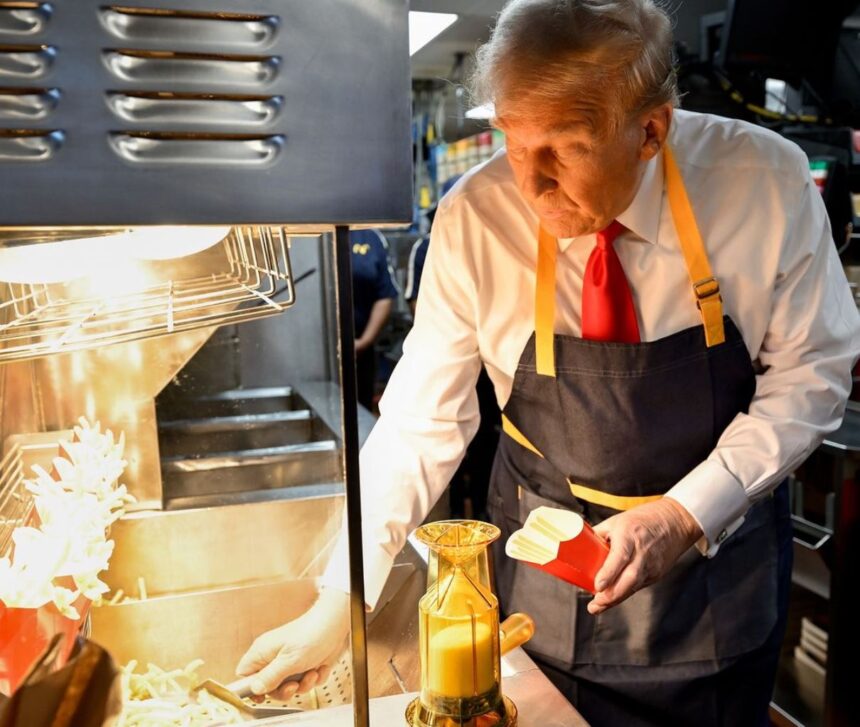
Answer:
(362, 343)
(307, 646)
(644, 543)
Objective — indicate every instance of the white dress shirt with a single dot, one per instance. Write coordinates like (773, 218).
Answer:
(770, 247)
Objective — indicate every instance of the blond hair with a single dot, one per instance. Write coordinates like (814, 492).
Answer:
(546, 51)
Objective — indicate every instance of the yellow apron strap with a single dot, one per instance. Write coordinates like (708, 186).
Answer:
(515, 434)
(597, 497)
(581, 492)
(705, 287)
(706, 290)
(545, 304)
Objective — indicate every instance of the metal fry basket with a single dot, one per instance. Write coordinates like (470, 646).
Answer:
(245, 276)
(16, 503)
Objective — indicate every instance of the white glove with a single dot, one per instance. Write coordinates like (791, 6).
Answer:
(309, 645)
(644, 544)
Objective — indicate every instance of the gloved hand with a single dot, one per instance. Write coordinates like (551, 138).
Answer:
(310, 644)
(644, 543)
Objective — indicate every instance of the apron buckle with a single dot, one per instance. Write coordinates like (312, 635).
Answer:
(705, 289)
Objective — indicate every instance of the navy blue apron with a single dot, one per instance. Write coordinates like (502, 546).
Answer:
(601, 427)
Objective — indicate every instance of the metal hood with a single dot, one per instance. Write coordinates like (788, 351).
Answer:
(204, 112)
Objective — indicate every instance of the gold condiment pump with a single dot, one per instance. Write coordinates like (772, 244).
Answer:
(459, 634)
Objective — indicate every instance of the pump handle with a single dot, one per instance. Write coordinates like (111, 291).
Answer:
(515, 630)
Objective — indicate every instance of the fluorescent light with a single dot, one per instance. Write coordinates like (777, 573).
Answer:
(486, 111)
(423, 27)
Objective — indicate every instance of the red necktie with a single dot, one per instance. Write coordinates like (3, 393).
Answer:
(607, 303)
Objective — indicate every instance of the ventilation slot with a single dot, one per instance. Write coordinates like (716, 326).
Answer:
(24, 61)
(179, 108)
(159, 25)
(23, 18)
(27, 103)
(28, 145)
(167, 66)
(175, 148)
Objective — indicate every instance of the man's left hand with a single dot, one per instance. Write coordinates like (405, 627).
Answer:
(644, 543)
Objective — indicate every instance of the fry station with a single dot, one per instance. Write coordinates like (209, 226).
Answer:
(599, 472)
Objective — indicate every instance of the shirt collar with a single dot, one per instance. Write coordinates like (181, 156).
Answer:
(642, 217)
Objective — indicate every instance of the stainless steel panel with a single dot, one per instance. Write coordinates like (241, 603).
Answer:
(195, 550)
(344, 75)
(189, 109)
(202, 437)
(240, 402)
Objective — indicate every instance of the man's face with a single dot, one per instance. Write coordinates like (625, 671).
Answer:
(576, 176)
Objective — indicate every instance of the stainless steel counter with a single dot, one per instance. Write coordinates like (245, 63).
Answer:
(538, 702)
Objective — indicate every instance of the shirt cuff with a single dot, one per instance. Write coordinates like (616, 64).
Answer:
(715, 499)
(377, 566)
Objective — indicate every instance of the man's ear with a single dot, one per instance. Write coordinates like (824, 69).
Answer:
(654, 125)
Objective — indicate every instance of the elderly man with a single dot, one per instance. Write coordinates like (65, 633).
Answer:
(658, 301)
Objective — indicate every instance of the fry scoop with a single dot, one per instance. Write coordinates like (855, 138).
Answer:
(233, 694)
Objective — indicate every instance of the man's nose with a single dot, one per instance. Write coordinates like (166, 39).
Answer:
(540, 177)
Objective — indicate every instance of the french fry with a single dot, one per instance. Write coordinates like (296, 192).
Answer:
(160, 698)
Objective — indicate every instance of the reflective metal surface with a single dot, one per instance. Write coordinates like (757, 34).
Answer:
(198, 549)
(149, 282)
(236, 433)
(144, 25)
(215, 577)
(341, 67)
(30, 104)
(247, 401)
(215, 580)
(216, 626)
(281, 444)
(252, 470)
(238, 111)
(115, 385)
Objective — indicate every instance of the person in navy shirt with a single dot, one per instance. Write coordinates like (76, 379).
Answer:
(374, 290)
(416, 267)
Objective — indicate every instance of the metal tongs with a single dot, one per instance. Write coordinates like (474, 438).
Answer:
(234, 693)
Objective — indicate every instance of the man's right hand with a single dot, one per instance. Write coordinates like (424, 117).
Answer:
(307, 646)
